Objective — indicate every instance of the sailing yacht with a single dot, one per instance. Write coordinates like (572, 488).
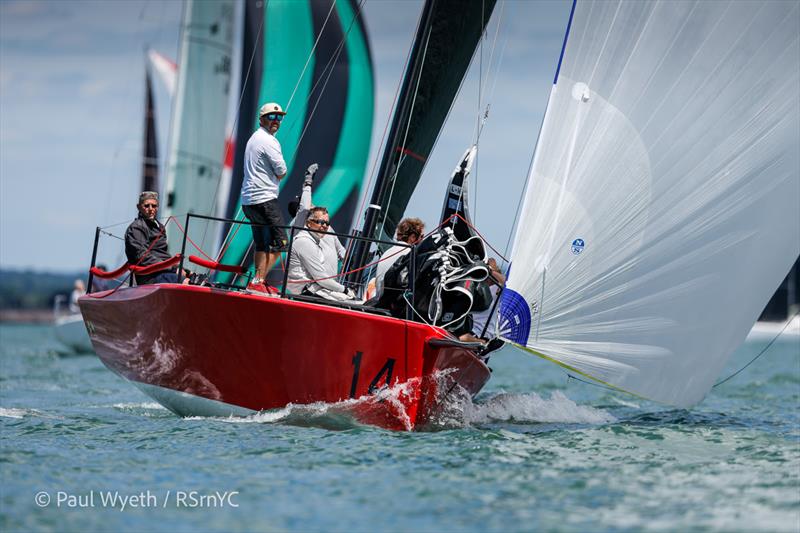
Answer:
(218, 350)
(665, 174)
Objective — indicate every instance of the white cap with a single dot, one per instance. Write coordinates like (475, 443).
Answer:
(271, 107)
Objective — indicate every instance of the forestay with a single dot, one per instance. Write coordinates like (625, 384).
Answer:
(662, 208)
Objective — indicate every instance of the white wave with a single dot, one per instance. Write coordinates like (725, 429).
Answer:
(140, 405)
(13, 412)
(530, 407)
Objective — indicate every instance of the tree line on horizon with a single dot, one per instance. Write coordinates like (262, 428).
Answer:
(28, 289)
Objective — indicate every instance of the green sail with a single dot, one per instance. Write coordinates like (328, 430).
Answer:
(329, 118)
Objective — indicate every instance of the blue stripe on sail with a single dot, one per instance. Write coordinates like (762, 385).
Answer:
(564, 46)
(515, 317)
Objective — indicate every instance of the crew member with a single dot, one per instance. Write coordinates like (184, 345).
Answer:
(264, 168)
(146, 241)
(409, 231)
(309, 271)
(331, 246)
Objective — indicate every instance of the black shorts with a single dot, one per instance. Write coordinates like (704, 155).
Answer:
(265, 236)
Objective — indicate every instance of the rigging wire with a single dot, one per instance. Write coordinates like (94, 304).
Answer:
(402, 146)
(478, 117)
(762, 352)
(447, 116)
(310, 55)
(482, 117)
(592, 383)
(717, 384)
(373, 172)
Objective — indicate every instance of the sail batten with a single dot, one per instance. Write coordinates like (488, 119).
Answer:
(664, 197)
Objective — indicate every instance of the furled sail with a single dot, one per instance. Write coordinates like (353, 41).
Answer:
(446, 38)
(321, 47)
(150, 142)
(663, 204)
(197, 142)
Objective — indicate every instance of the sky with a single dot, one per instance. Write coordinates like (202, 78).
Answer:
(72, 95)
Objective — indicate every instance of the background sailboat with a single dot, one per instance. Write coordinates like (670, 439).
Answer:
(199, 117)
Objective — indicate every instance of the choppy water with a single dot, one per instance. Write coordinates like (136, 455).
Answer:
(535, 451)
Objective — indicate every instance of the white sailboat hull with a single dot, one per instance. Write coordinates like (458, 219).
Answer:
(71, 331)
(785, 331)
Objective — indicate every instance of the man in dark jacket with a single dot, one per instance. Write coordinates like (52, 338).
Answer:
(146, 241)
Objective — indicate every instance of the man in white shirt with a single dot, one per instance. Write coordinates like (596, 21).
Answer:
(309, 268)
(331, 245)
(264, 167)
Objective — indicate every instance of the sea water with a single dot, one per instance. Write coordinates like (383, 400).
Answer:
(83, 450)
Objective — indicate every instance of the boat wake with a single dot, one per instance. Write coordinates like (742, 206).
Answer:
(346, 414)
(142, 408)
(458, 410)
(520, 408)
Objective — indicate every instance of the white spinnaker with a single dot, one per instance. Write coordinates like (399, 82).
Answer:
(663, 205)
(200, 112)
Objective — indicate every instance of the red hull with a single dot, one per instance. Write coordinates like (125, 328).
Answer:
(263, 353)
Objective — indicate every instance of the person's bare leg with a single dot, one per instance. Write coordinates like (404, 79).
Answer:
(273, 258)
(261, 265)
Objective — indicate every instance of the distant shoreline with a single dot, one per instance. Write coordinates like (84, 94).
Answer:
(26, 316)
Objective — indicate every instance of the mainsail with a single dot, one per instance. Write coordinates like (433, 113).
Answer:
(197, 143)
(662, 208)
(321, 47)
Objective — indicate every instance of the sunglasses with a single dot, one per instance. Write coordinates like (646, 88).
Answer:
(274, 116)
(320, 222)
